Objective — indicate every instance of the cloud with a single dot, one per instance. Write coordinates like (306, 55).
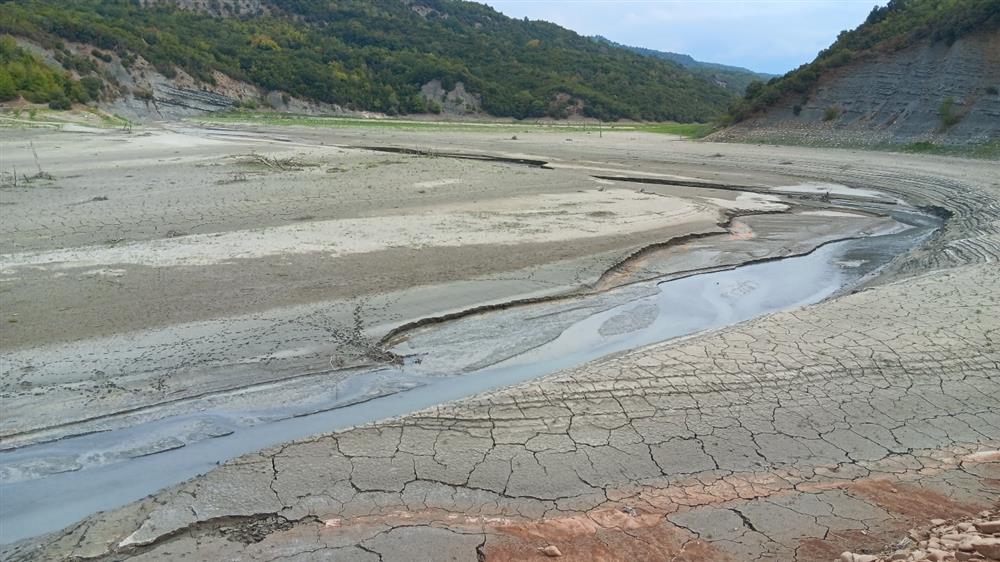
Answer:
(766, 35)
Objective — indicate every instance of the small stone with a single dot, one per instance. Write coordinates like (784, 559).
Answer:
(918, 555)
(936, 522)
(965, 526)
(851, 557)
(551, 551)
(989, 527)
(899, 555)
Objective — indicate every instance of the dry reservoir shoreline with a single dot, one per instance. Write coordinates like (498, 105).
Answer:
(168, 251)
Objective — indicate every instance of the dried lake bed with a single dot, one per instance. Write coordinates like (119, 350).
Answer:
(185, 295)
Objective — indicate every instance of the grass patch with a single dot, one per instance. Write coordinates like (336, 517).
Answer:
(922, 147)
(691, 130)
(989, 150)
(986, 151)
(291, 119)
(37, 116)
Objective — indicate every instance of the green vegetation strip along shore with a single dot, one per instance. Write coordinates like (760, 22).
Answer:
(690, 130)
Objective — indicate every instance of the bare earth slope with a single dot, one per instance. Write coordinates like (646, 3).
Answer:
(792, 437)
(893, 98)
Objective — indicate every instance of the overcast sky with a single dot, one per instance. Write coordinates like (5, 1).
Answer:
(765, 35)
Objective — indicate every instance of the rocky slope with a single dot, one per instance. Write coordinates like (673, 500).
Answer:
(915, 72)
(136, 90)
(929, 92)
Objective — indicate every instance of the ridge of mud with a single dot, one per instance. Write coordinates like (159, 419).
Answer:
(397, 334)
(542, 164)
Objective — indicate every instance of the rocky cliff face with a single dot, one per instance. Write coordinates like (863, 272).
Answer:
(457, 101)
(137, 91)
(930, 92)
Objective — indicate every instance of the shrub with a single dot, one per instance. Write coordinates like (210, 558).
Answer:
(946, 112)
(143, 94)
(61, 103)
(128, 59)
(797, 109)
(992, 90)
(8, 88)
(93, 86)
(831, 113)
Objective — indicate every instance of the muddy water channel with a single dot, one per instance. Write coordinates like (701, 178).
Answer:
(48, 486)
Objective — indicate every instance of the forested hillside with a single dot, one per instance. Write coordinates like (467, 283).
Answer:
(376, 55)
(23, 74)
(891, 28)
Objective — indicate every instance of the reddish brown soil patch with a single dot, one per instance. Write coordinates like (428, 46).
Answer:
(606, 535)
(912, 501)
(830, 548)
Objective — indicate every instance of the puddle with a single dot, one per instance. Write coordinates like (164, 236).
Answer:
(48, 486)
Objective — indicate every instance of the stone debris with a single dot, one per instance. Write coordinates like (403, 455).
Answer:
(551, 551)
(976, 540)
(851, 557)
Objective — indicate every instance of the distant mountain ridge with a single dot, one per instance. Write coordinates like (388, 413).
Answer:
(734, 78)
(386, 56)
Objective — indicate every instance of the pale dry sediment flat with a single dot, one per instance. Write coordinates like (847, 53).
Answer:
(795, 436)
(172, 266)
(563, 218)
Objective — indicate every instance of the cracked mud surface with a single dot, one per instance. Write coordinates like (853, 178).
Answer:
(799, 433)
(796, 436)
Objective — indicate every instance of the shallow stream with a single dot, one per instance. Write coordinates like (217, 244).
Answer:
(48, 486)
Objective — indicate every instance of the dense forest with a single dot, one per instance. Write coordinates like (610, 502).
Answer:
(892, 27)
(735, 78)
(376, 54)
